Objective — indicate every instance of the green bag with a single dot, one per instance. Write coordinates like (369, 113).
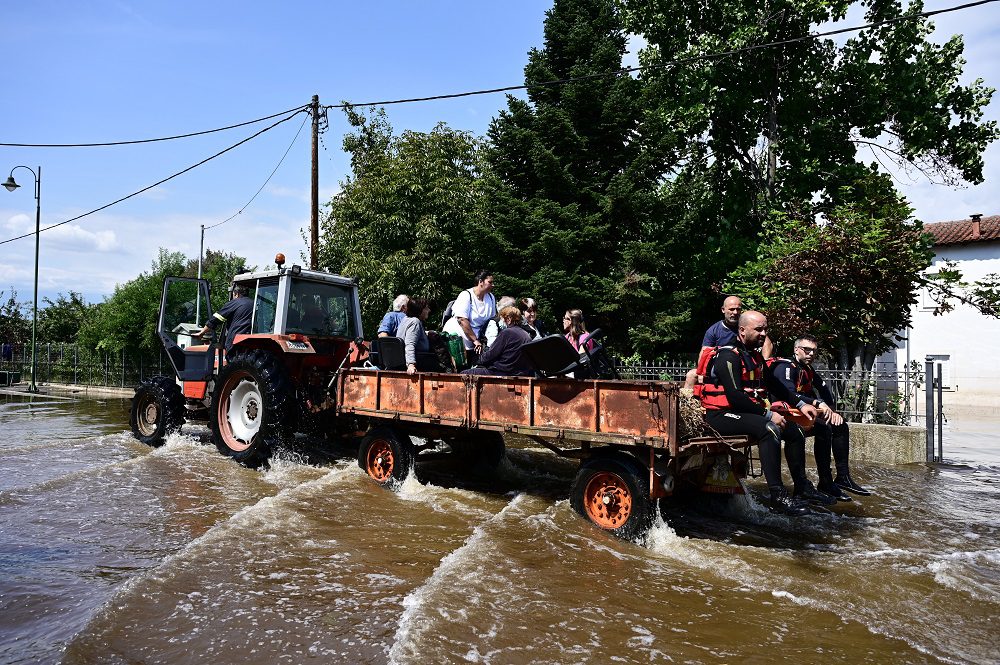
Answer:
(456, 348)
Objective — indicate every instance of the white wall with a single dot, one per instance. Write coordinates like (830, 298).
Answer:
(969, 339)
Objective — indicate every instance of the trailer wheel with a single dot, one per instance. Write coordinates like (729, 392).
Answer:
(157, 410)
(385, 456)
(251, 407)
(610, 492)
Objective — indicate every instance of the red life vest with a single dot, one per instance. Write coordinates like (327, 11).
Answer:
(712, 394)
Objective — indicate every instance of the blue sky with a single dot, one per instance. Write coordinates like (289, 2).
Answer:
(108, 70)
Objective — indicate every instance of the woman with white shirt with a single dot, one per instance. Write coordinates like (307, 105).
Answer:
(472, 310)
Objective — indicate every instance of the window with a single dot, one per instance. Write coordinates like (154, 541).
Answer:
(320, 309)
(265, 306)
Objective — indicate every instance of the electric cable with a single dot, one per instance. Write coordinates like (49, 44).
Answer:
(167, 179)
(671, 63)
(165, 138)
(280, 161)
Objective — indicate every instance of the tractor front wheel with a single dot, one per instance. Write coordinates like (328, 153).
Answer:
(610, 492)
(157, 410)
(251, 408)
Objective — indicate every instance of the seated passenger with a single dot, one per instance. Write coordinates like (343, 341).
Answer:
(496, 324)
(414, 336)
(529, 316)
(576, 331)
(504, 357)
(390, 322)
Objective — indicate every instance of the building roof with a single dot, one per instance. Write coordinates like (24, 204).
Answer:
(963, 231)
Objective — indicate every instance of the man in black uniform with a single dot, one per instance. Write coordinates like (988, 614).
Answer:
(796, 382)
(733, 397)
(237, 314)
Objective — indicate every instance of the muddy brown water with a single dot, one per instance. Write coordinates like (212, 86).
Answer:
(113, 552)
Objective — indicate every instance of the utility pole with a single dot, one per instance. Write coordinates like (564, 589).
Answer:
(314, 221)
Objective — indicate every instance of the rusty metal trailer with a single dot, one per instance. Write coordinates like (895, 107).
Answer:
(624, 432)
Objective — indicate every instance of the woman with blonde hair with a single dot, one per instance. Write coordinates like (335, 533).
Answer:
(576, 331)
(504, 357)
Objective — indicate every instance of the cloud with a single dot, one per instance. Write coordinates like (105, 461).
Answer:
(157, 193)
(19, 223)
(74, 238)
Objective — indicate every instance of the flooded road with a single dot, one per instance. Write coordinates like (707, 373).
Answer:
(113, 552)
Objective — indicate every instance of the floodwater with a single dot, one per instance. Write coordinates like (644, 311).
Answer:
(113, 552)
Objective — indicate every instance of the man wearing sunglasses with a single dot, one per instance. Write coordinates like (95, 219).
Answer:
(798, 383)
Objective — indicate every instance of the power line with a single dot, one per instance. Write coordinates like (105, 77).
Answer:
(240, 211)
(165, 138)
(671, 63)
(155, 184)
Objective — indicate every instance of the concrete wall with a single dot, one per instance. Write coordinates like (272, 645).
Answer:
(888, 444)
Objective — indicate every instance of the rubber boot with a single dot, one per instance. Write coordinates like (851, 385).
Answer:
(783, 504)
(841, 455)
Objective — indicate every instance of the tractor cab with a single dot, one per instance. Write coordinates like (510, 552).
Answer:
(295, 311)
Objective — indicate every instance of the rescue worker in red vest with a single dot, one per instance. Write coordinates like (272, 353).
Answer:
(802, 412)
(734, 399)
(797, 383)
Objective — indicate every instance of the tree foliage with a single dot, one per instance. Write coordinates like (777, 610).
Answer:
(62, 319)
(577, 215)
(403, 222)
(15, 325)
(849, 280)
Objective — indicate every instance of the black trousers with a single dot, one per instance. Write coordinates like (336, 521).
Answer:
(835, 439)
(768, 437)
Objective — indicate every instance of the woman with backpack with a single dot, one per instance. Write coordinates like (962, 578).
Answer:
(471, 311)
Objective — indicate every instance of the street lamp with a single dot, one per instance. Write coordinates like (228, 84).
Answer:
(11, 186)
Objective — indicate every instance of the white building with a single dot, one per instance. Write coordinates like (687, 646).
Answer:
(963, 340)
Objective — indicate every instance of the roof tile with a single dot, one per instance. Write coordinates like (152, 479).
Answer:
(960, 231)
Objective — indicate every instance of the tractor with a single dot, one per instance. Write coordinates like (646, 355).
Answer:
(272, 382)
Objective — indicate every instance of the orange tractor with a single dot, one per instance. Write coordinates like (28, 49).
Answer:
(272, 382)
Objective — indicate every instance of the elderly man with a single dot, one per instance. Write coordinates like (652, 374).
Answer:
(734, 400)
(390, 322)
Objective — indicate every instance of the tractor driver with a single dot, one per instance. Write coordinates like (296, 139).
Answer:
(236, 315)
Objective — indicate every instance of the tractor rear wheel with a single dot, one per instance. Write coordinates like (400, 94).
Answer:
(610, 492)
(252, 407)
(157, 410)
(386, 456)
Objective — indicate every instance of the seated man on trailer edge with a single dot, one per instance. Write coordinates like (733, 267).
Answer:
(734, 398)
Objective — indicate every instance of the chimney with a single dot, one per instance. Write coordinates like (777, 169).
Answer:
(975, 225)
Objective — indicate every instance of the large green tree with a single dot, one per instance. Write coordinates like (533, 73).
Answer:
(789, 128)
(576, 214)
(15, 324)
(849, 280)
(403, 222)
(785, 123)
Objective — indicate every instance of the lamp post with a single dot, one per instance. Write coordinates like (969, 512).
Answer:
(11, 186)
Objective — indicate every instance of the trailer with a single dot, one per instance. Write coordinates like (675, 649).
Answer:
(625, 433)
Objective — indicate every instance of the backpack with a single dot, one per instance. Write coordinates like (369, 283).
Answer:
(447, 313)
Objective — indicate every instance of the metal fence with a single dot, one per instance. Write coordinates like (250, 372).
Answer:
(73, 364)
(884, 395)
